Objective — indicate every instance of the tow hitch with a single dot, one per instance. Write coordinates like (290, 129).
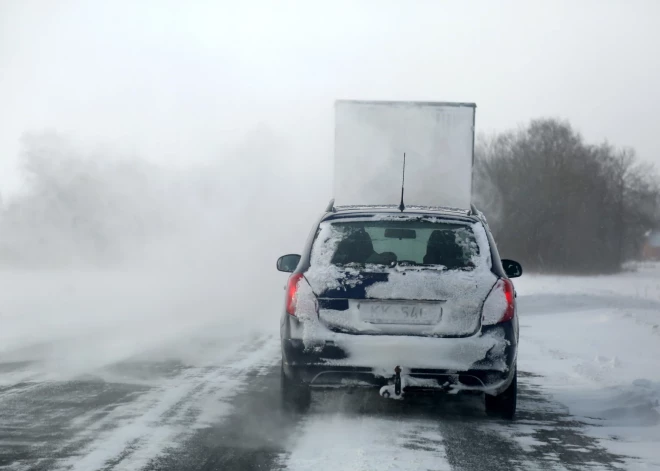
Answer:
(394, 391)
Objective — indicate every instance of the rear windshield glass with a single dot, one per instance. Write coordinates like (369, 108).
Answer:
(410, 242)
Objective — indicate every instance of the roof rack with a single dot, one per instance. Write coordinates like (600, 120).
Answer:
(331, 208)
(473, 211)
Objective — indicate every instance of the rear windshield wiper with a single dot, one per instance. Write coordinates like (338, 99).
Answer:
(409, 263)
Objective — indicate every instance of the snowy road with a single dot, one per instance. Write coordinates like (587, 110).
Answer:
(589, 391)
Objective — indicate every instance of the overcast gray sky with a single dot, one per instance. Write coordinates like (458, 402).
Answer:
(174, 80)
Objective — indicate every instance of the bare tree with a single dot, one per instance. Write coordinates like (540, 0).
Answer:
(561, 205)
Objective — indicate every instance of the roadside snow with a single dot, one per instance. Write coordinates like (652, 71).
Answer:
(642, 282)
(601, 360)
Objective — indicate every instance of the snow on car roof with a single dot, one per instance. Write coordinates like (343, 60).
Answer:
(393, 211)
(407, 208)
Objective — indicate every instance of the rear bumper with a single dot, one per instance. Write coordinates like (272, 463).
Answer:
(329, 366)
(315, 376)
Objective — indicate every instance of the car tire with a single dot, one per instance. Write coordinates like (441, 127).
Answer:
(504, 404)
(296, 397)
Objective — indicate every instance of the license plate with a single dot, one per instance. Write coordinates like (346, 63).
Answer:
(400, 313)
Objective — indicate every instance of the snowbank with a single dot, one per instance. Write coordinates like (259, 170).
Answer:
(595, 344)
(642, 282)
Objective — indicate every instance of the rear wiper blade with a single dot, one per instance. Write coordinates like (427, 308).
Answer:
(408, 263)
(351, 265)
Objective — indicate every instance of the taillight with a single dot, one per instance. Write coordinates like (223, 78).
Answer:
(292, 293)
(500, 304)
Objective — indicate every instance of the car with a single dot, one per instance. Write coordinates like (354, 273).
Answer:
(407, 301)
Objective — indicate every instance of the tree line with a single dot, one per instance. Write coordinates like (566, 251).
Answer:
(553, 201)
(559, 204)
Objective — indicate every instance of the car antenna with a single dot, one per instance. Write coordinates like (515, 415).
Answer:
(403, 180)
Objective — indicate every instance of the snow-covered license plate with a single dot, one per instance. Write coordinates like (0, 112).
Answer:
(379, 312)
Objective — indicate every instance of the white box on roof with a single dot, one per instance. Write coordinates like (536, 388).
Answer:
(372, 136)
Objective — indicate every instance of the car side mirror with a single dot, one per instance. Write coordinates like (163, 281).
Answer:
(511, 268)
(288, 263)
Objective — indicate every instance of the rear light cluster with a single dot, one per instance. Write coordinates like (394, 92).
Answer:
(292, 293)
(500, 305)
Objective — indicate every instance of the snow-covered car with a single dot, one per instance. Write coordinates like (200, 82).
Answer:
(407, 301)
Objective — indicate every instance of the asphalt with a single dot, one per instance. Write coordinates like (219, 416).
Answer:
(45, 425)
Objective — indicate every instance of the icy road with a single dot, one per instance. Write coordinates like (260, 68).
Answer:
(589, 392)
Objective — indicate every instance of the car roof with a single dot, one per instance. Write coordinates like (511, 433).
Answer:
(340, 212)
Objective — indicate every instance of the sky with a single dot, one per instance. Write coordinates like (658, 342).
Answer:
(176, 81)
(237, 98)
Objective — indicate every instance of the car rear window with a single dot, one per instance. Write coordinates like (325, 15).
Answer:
(414, 242)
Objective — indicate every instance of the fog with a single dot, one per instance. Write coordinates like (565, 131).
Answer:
(195, 140)
(106, 256)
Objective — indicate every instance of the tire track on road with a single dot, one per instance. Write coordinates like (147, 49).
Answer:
(363, 431)
(174, 412)
(92, 424)
(251, 438)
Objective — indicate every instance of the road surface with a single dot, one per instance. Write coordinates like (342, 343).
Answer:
(225, 414)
